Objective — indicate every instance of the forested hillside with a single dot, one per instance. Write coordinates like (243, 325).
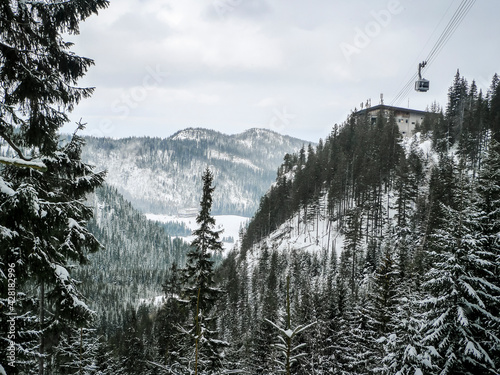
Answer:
(368, 254)
(133, 262)
(162, 175)
(390, 247)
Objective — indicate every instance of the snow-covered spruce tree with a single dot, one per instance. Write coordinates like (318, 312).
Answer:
(132, 361)
(289, 351)
(43, 220)
(266, 306)
(169, 316)
(489, 204)
(199, 290)
(383, 294)
(458, 320)
(42, 183)
(76, 352)
(404, 352)
(352, 254)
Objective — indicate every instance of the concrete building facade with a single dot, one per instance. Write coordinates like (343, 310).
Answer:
(406, 118)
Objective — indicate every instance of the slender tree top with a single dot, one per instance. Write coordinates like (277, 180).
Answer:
(206, 237)
(206, 199)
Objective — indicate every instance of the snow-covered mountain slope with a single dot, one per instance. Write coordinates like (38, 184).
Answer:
(316, 229)
(316, 236)
(163, 176)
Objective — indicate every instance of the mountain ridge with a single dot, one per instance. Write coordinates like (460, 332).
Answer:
(160, 175)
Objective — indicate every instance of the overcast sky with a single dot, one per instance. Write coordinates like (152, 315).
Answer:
(293, 66)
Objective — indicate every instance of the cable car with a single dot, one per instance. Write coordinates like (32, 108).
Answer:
(422, 84)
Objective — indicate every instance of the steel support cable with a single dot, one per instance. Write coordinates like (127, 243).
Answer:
(412, 79)
(448, 27)
(462, 10)
(452, 28)
(445, 35)
(401, 93)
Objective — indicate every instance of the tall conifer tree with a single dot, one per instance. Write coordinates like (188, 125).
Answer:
(458, 322)
(43, 183)
(199, 289)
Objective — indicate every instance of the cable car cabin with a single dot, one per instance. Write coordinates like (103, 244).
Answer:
(422, 85)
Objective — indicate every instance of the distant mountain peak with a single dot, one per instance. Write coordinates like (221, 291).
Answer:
(163, 176)
(193, 134)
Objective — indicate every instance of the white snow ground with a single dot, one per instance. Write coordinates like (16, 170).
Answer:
(230, 224)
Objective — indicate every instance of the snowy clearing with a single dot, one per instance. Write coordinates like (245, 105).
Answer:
(230, 224)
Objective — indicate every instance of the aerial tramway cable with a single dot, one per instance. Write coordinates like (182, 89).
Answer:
(406, 88)
(459, 15)
(462, 10)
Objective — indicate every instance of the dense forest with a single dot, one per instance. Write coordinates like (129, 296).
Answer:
(369, 254)
(134, 261)
(396, 270)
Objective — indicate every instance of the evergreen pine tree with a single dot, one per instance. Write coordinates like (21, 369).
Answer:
(404, 353)
(289, 350)
(352, 254)
(455, 111)
(199, 288)
(488, 187)
(458, 319)
(43, 184)
(50, 216)
(494, 113)
(262, 362)
(132, 356)
(75, 353)
(384, 294)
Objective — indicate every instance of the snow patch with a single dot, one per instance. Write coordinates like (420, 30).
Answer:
(5, 188)
(61, 272)
(214, 154)
(155, 301)
(72, 223)
(318, 235)
(7, 233)
(230, 224)
(23, 163)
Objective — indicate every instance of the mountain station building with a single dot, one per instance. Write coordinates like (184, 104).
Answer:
(406, 118)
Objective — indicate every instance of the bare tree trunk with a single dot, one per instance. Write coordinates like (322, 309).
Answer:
(197, 332)
(42, 319)
(81, 348)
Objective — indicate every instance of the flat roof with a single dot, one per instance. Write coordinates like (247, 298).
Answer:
(391, 108)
